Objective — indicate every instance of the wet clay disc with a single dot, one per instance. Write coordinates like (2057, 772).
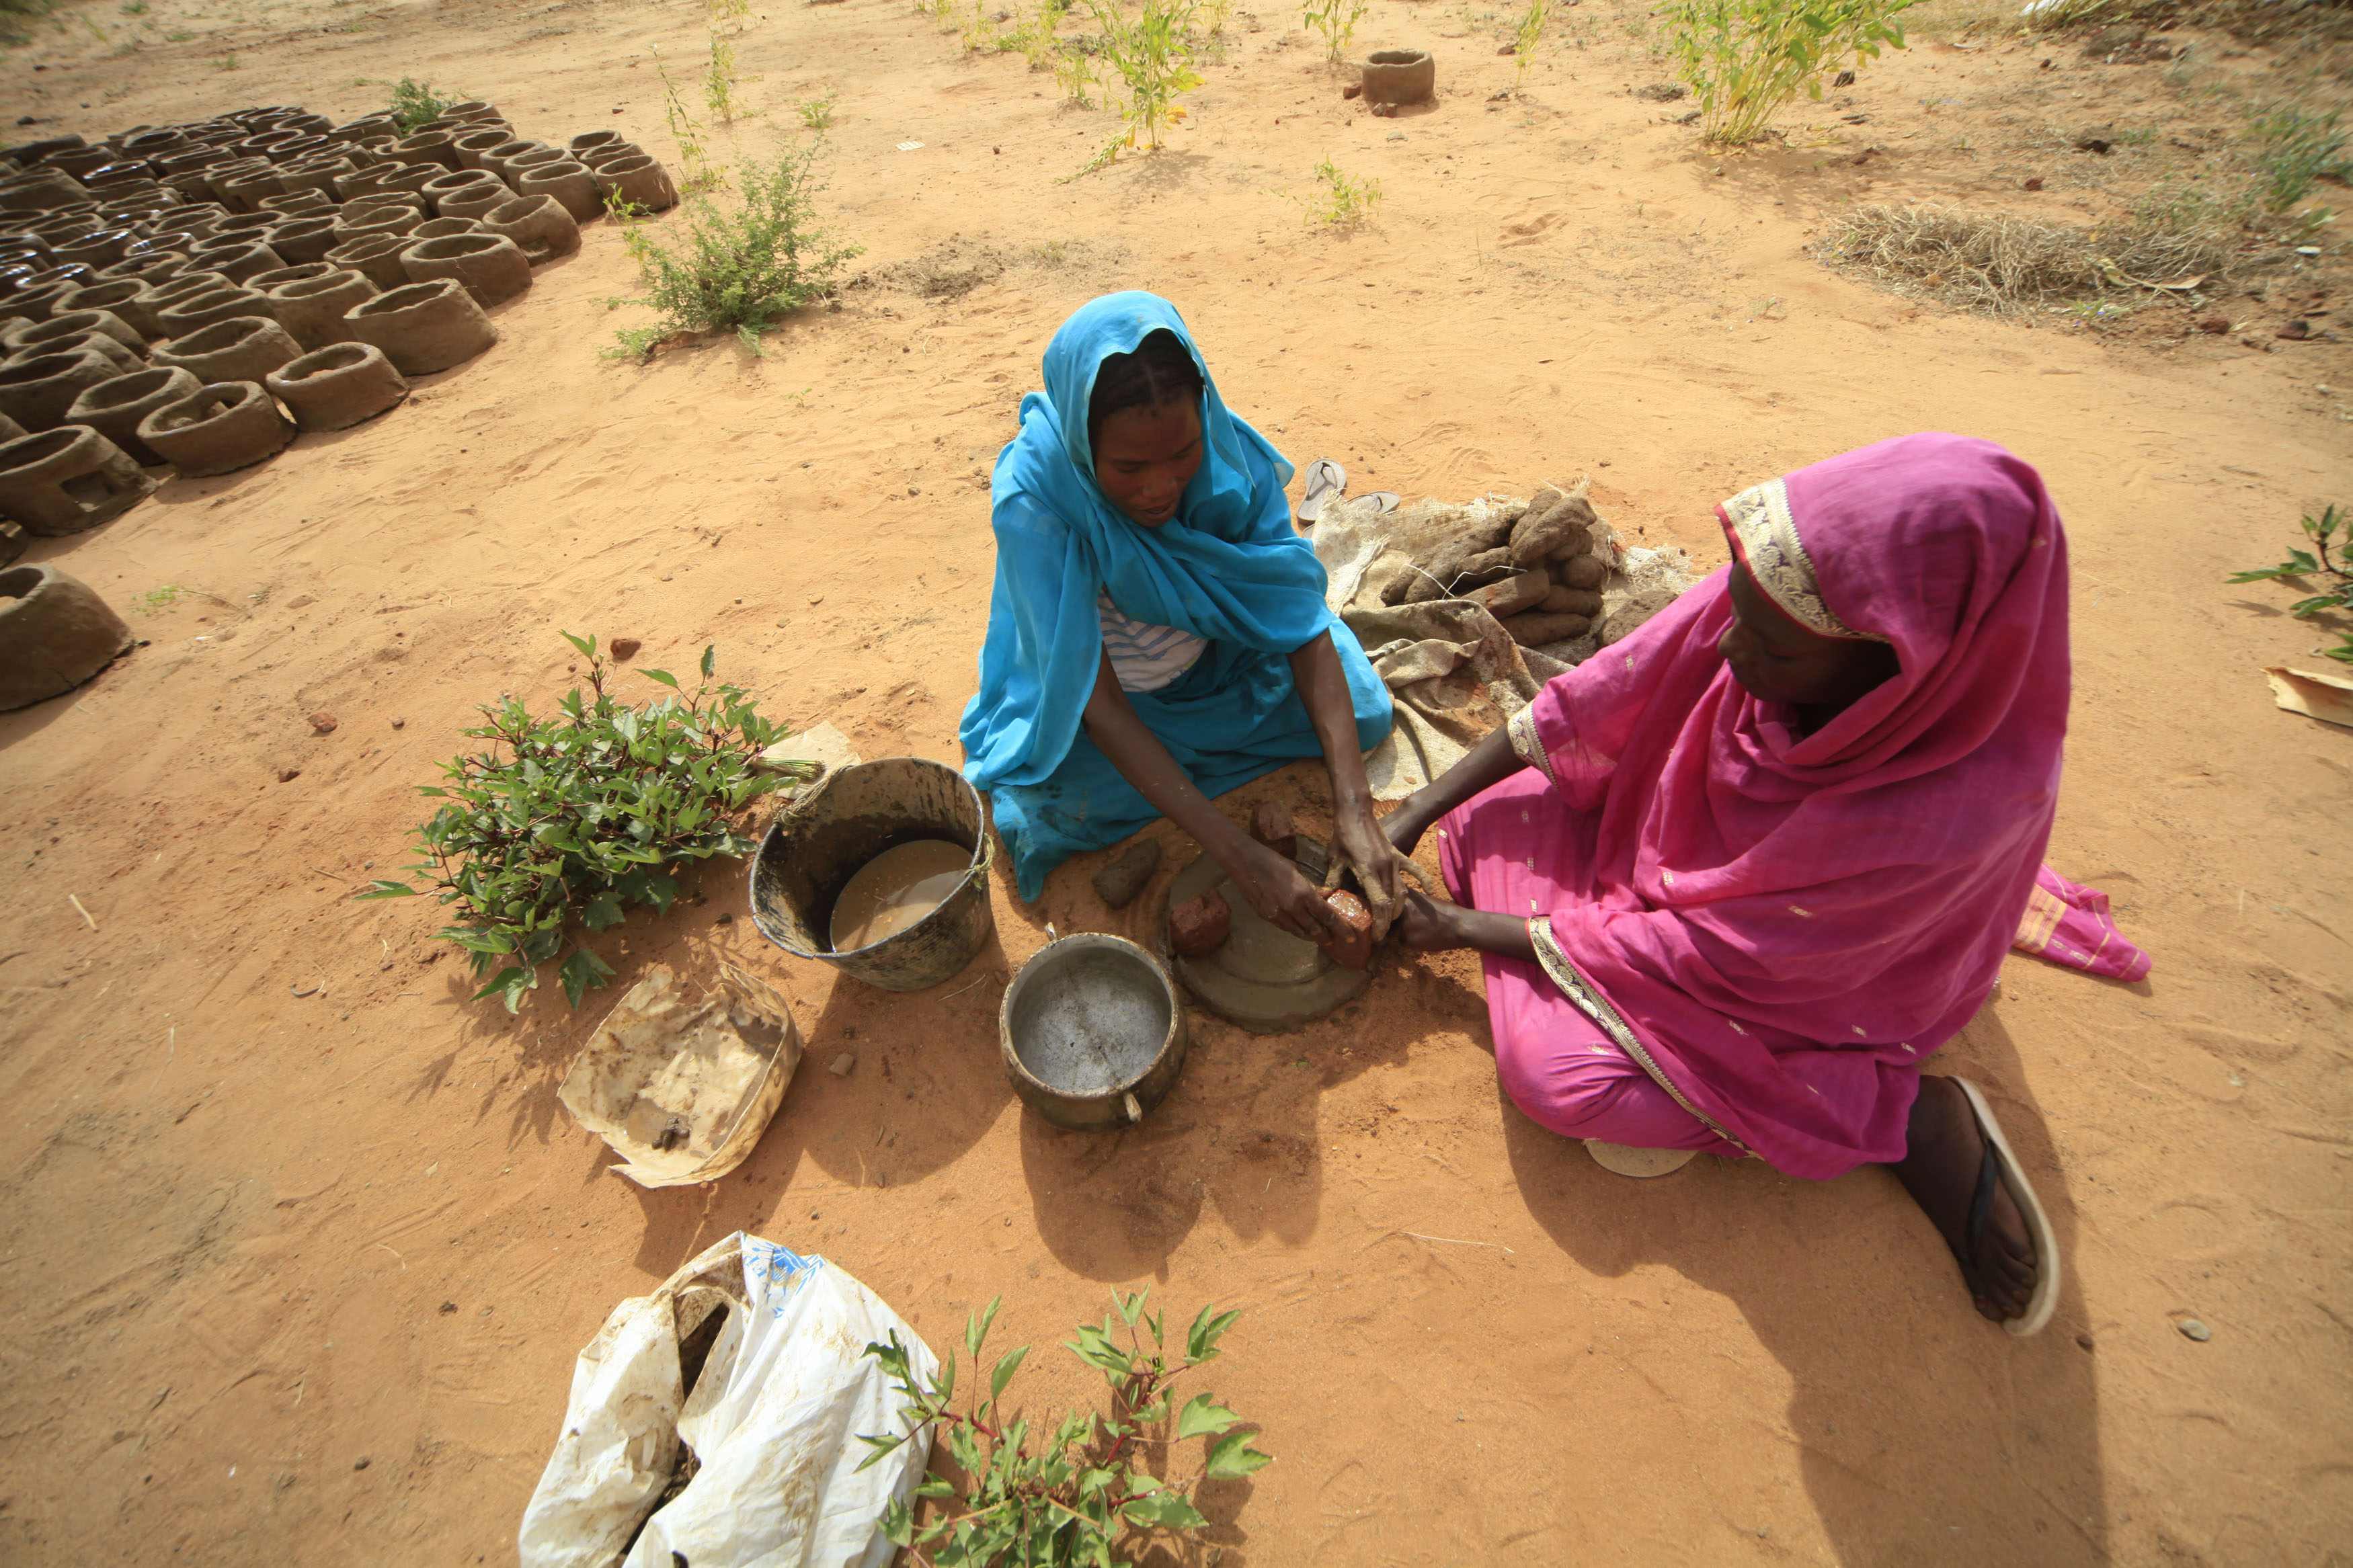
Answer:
(1261, 978)
(1639, 1163)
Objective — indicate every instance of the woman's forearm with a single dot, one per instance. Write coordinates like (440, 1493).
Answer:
(1111, 724)
(1323, 685)
(1488, 764)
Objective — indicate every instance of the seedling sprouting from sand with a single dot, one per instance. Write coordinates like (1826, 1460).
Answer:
(1525, 35)
(577, 818)
(1337, 21)
(738, 269)
(1744, 60)
(156, 599)
(816, 113)
(1068, 1498)
(2317, 568)
(1153, 55)
(1343, 203)
(719, 80)
(696, 172)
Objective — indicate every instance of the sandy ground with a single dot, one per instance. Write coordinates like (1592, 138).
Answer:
(300, 1277)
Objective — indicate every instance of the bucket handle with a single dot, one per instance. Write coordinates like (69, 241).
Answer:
(1134, 1111)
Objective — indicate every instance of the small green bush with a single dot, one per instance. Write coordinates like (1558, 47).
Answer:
(1337, 21)
(580, 815)
(1152, 55)
(2316, 568)
(1345, 203)
(1074, 1496)
(1744, 60)
(742, 267)
(415, 105)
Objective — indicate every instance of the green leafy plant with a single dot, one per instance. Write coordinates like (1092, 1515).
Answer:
(816, 113)
(226, 63)
(719, 80)
(1336, 20)
(156, 599)
(1526, 34)
(2298, 148)
(1083, 1492)
(413, 104)
(622, 210)
(1343, 203)
(1074, 73)
(739, 269)
(1747, 59)
(579, 815)
(2316, 568)
(1153, 55)
(696, 172)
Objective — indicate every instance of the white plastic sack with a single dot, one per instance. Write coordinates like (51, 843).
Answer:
(772, 1421)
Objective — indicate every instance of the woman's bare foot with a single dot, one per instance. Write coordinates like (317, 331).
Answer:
(1944, 1153)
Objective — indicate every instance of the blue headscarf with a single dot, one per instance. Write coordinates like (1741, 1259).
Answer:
(1227, 567)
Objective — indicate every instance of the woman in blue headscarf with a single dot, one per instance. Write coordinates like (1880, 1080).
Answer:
(1158, 634)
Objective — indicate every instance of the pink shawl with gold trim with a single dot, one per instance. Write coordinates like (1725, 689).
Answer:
(1784, 925)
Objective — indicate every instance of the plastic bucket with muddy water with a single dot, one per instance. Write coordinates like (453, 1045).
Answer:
(910, 809)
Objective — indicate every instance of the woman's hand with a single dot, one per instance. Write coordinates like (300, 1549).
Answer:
(1404, 826)
(1280, 893)
(1365, 848)
(1425, 925)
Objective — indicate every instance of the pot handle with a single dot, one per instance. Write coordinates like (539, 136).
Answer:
(1134, 1111)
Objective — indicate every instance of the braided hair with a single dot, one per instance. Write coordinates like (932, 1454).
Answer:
(1159, 370)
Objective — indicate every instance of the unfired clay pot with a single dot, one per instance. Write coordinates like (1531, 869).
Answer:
(37, 393)
(126, 297)
(1399, 77)
(197, 311)
(218, 429)
(425, 327)
(238, 260)
(304, 239)
(312, 309)
(569, 183)
(336, 387)
(114, 408)
(62, 324)
(491, 267)
(639, 179)
(374, 257)
(55, 634)
(540, 226)
(243, 348)
(63, 481)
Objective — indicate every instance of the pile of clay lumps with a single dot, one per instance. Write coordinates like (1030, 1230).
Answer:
(194, 294)
(1538, 568)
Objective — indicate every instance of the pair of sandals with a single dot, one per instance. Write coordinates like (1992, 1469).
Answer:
(1326, 481)
(1999, 1168)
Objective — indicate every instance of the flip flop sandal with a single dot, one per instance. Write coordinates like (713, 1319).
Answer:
(2001, 1166)
(1386, 500)
(1643, 1164)
(1325, 480)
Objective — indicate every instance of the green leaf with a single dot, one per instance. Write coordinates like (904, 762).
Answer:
(976, 1330)
(710, 659)
(603, 912)
(664, 676)
(1203, 1416)
(587, 645)
(580, 971)
(1163, 1508)
(1231, 1457)
(380, 889)
(506, 980)
(1006, 1366)
(1201, 1339)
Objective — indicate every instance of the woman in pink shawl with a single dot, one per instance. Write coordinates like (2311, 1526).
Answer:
(1737, 875)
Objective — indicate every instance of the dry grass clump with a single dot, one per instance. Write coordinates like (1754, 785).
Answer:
(2002, 264)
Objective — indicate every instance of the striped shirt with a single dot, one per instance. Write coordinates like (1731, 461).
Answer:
(1145, 658)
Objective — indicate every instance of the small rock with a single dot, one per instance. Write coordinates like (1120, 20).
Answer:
(322, 723)
(842, 1065)
(1661, 92)
(626, 647)
(1200, 925)
(400, 723)
(1354, 951)
(726, 919)
(448, 1308)
(2215, 324)
(1843, 79)
(288, 776)
(1509, 49)
(2295, 332)
(362, 1463)
(915, 489)
(2084, 1341)
(2099, 145)
(2191, 1329)
(2035, 183)
(1354, 89)
(1119, 881)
